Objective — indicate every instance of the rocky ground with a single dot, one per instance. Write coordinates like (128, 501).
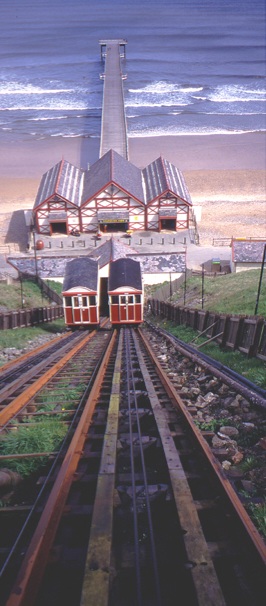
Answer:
(233, 427)
(8, 354)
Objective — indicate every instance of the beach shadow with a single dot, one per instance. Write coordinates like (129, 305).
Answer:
(17, 232)
(89, 152)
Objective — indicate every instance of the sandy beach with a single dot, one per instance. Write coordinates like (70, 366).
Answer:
(225, 175)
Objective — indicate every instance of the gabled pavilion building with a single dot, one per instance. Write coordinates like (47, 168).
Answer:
(113, 195)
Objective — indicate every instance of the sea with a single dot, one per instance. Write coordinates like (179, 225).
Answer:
(192, 67)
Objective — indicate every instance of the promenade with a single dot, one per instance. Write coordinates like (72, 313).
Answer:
(144, 243)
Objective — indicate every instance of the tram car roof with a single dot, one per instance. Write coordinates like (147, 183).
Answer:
(124, 272)
(81, 272)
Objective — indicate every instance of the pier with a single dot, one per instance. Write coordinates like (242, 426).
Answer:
(113, 126)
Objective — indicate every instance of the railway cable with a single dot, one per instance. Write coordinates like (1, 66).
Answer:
(132, 405)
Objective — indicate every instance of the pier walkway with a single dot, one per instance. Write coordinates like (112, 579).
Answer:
(113, 127)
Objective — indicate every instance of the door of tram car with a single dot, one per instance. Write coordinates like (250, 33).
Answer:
(84, 309)
(127, 310)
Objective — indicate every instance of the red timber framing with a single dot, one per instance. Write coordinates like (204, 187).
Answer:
(137, 218)
(182, 217)
(112, 201)
(167, 212)
(88, 218)
(57, 215)
(152, 217)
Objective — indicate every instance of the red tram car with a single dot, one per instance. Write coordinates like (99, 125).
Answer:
(81, 293)
(125, 292)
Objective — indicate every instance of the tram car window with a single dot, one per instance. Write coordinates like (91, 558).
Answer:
(81, 293)
(125, 292)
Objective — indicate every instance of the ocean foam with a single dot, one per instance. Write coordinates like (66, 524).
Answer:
(162, 132)
(164, 94)
(15, 88)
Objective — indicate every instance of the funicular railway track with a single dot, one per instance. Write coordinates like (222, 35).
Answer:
(59, 393)
(133, 508)
(16, 374)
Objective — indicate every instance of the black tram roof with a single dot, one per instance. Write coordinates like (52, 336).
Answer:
(124, 272)
(82, 272)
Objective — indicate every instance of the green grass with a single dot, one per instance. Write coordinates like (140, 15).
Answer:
(56, 286)
(258, 513)
(11, 298)
(20, 338)
(44, 436)
(25, 294)
(230, 293)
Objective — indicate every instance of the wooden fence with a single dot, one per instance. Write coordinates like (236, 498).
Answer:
(30, 317)
(21, 318)
(244, 333)
(46, 290)
(166, 290)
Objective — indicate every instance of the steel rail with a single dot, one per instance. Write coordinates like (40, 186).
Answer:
(132, 469)
(36, 368)
(98, 566)
(203, 573)
(26, 586)
(131, 388)
(21, 401)
(251, 531)
(56, 457)
(29, 354)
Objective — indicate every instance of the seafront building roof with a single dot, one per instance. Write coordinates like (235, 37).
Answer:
(79, 186)
(113, 169)
(160, 177)
(63, 179)
(247, 250)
